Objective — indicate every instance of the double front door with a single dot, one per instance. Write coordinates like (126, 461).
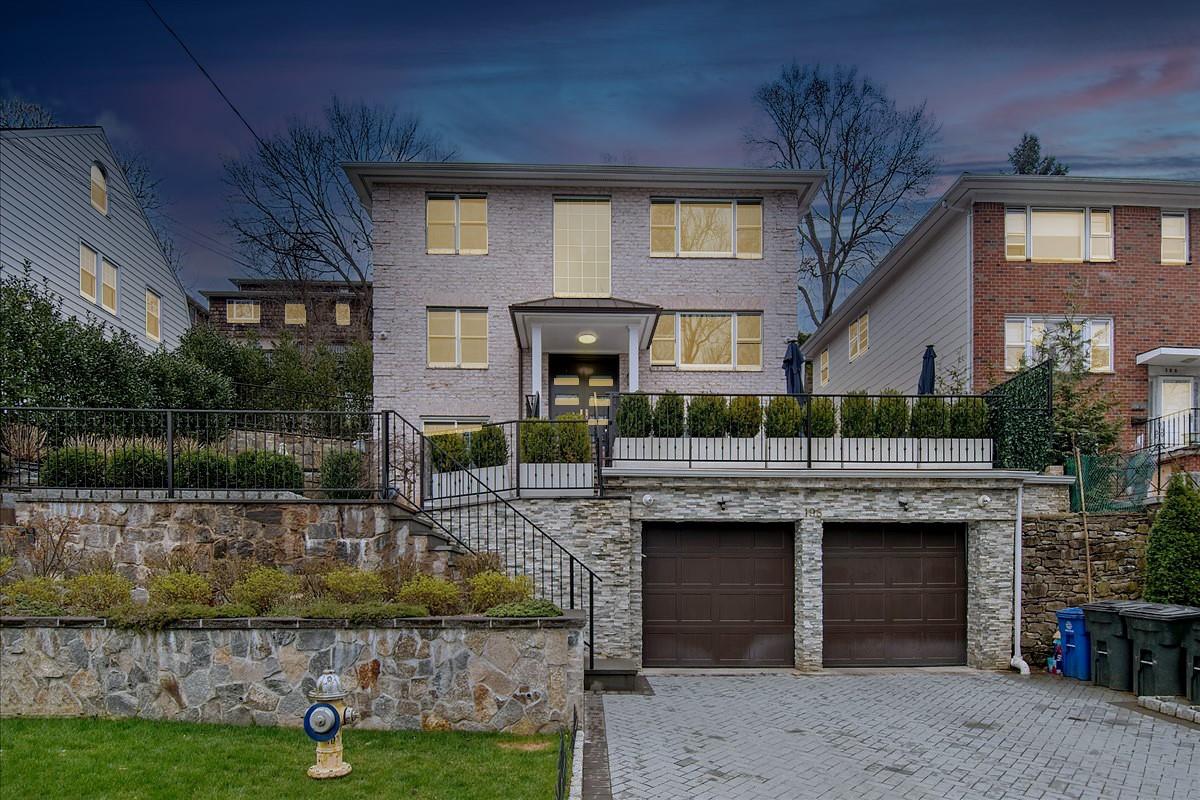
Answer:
(582, 384)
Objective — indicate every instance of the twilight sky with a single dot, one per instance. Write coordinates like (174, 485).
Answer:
(1112, 88)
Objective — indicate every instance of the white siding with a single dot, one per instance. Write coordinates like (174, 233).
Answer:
(46, 211)
(929, 303)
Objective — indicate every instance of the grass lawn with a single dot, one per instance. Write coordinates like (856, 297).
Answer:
(46, 759)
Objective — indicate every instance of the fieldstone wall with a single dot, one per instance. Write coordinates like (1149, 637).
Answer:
(1055, 569)
(477, 674)
(365, 534)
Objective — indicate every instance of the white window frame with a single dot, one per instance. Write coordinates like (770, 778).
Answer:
(458, 362)
(859, 335)
(734, 202)
(1085, 248)
(823, 367)
(93, 168)
(461, 424)
(151, 294)
(95, 272)
(458, 198)
(1049, 323)
(554, 263)
(733, 366)
(235, 318)
(1187, 251)
(116, 286)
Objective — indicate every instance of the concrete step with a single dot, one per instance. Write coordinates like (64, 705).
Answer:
(612, 674)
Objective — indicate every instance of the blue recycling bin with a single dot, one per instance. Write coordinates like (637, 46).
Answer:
(1077, 649)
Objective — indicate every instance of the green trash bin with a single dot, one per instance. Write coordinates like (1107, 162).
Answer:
(1112, 661)
(1157, 631)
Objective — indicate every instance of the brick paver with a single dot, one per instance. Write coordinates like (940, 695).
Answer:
(913, 735)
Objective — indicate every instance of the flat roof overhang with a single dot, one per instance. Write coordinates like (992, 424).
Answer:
(1171, 357)
(562, 320)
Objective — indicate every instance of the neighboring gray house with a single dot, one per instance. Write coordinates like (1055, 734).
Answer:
(501, 283)
(66, 208)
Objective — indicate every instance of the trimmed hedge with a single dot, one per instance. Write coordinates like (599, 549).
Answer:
(745, 416)
(440, 596)
(262, 469)
(344, 475)
(74, 466)
(527, 608)
(203, 469)
(822, 418)
(539, 442)
(350, 585)
(858, 416)
(488, 447)
(1173, 548)
(264, 588)
(930, 418)
(634, 417)
(488, 589)
(891, 415)
(574, 439)
(969, 418)
(180, 588)
(708, 416)
(95, 593)
(137, 466)
(449, 452)
(669, 418)
(784, 418)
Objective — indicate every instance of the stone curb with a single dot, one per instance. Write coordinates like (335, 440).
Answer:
(569, 619)
(1171, 706)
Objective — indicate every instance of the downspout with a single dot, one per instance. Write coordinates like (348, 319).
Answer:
(1018, 663)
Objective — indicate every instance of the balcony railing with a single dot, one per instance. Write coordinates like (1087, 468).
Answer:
(1173, 431)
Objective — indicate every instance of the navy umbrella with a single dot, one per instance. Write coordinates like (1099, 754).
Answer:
(793, 369)
(925, 385)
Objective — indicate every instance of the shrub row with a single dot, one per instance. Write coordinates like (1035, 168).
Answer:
(486, 447)
(564, 441)
(142, 466)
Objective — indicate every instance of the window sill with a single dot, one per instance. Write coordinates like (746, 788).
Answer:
(449, 253)
(707, 256)
(472, 368)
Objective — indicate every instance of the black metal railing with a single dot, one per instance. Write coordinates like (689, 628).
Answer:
(566, 750)
(799, 431)
(1181, 429)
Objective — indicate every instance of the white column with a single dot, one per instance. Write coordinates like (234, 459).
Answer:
(536, 372)
(633, 358)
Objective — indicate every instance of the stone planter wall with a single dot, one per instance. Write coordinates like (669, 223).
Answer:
(477, 674)
(1055, 570)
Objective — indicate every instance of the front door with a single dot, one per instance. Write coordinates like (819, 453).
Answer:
(582, 384)
(1175, 424)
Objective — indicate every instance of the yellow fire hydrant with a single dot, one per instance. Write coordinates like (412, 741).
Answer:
(323, 723)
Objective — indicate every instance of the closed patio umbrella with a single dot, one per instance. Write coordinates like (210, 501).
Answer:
(793, 369)
(925, 385)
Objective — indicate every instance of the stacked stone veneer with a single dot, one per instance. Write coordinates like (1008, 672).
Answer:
(368, 535)
(459, 673)
(1055, 574)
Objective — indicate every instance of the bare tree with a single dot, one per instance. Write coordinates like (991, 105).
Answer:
(296, 215)
(18, 113)
(143, 184)
(878, 158)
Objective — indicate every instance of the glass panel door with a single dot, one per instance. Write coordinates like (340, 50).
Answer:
(1176, 424)
(582, 385)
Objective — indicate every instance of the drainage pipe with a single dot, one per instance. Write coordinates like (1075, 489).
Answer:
(1017, 662)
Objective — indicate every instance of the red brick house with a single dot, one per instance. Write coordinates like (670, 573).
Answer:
(1000, 259)
(312, 312)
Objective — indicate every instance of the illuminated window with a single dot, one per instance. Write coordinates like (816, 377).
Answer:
(87, 272)
(153, 310)
(706, 228)
(108, 286)
(294, 314)
(99, 189)
(709, 341)
(243, 312)
(1056, 235)
(456, 224)
(442, 425)
(1174, 237)
(1064, 235)
(824, 367)
(582, 248)
(1100, 235)
(662, 348)
(1014, 234)
(1024, 338)
(456, 338)
(859, 336)
(342, 314)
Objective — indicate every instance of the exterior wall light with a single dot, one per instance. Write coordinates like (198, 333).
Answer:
(587, 337)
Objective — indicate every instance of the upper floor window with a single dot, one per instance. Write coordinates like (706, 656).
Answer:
(108, 286)
(88, 259)
(706, 228)
(341, 312)
(1174, 237)
(823, 367)
(456, 224)
(294, 314)
(1067, 235)
(582, 247)
(153, 319)
(243, 312)
(708, 341)
(99, 181)
(1025, 341)
(456, 337)
(859, 336)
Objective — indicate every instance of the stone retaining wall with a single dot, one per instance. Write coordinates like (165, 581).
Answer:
(1055, 569)
(478, 674)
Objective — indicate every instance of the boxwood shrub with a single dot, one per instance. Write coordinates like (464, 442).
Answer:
(138, 466)
(858, 415)
(488, 447)
(930, 418)
(449, 452)
(488, 589)
(344, 475)
(822, 418)
(262, 469)
(265, 588)
(539, 442)
(96, 593)
(526, 608)
(633, 415)
(891, 415)
(708, 416)
(745, 416)
(180, 588)
(203, 469)
(73, 466)
(350, 585)
(438, 595)
(668, 418)
(574, 439)
(969, 418)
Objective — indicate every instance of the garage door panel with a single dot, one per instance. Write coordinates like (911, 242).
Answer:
(894, 594)
(736, 610)
(658, 570)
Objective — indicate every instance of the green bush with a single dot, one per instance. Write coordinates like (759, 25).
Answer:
(858, 415)
(708, 416)
(264, 588)
(96, 593)
(969, 418)
(1173, 548)
(891, 415)
(574, 439)
(349, 585)
(669, 417)
(822, 418)
(633, 415)
(439, 596)
(139, 466)
(784, 418)
(489, 447)
(745, 416)
(179, 382)
(203, 469)
(73, 466)
(489, 589)
(527, 608)
(180, 588)
(157, 617)
(355, 613)
(344, 475)
(449, 452)
(37, 597)
(539, 442)
(262, 469)
(930, 418)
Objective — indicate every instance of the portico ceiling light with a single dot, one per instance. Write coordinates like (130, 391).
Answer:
(587, 337)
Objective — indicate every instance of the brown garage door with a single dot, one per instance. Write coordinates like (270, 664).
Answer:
(717, 595)
(895, 595)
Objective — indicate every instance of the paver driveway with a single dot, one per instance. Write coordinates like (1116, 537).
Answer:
(892, 735)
